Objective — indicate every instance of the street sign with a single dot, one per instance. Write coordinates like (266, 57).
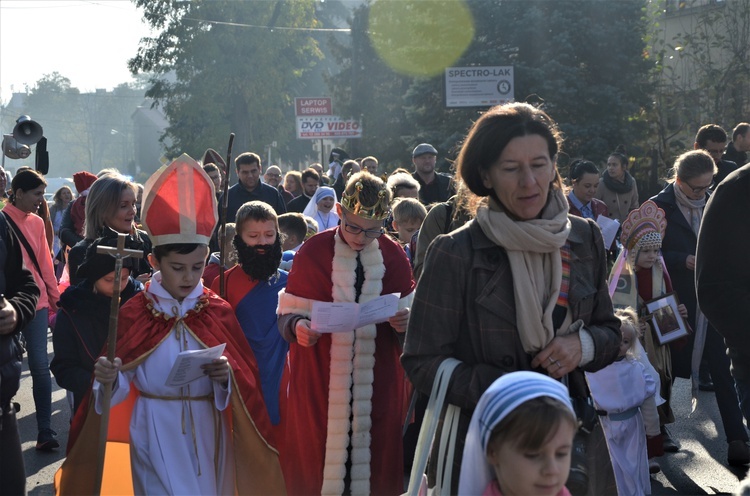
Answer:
(478, 86)
(312, 106)
(327, 126)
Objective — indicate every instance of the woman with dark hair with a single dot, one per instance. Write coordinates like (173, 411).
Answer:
(617, 188)
(528, 283)
(683, 201)
(110, 209)
(584, 179)
(27, 195)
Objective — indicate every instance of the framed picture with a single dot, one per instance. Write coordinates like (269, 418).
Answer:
(666, 319)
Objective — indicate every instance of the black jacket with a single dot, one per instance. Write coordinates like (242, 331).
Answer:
(722, 268)
(80, 335)
(298, 204)
(19, 288)
(78, 253)
(439, 190)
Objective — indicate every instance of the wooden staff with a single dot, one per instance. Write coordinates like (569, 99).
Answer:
(223, 226)
(119, 253)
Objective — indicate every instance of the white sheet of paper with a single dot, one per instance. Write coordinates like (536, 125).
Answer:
(345, 317)
(609, 229)
(187, 366)
(378, 310)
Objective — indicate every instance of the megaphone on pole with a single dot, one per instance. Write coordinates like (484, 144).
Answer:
(27, 131)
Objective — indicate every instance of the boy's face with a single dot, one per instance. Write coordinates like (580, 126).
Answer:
(406, 229)
(647, 257)
(290, 241)
(180, 274)
(258, 232)
(542, 472)
(105, 285)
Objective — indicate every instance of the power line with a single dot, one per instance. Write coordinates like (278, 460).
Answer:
(269, 28)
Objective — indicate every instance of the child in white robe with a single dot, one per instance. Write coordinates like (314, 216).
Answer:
(624, 394)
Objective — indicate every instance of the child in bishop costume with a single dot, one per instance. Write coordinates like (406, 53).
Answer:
(210, 436)
(343, 417)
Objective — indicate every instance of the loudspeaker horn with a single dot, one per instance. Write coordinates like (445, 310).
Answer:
(27, 131)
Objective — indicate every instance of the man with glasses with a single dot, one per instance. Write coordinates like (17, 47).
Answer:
(344, 410)
(713, 139)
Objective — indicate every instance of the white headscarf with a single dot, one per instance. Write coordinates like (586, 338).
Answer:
(504, 395)
(325, 221)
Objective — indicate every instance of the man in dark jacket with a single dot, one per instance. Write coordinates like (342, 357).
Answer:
(713, 139)
(740, 145)
(722, 273)
(250, 187)
(17, 308)
(434, 186)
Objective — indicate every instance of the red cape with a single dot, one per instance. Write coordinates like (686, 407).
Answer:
(140, 329)
(305, 419)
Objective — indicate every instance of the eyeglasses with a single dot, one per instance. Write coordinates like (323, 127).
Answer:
(273, 175)
(696, 189)
(370, 233)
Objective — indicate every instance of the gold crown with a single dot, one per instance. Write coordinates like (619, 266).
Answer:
(379, 211)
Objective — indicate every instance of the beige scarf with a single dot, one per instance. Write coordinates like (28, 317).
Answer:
(533, 249)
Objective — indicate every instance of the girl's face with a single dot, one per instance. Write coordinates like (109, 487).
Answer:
(66, 196)
(628, 339)
(325, 205)
(615, 168)
(585, 187)
(106, 285)
(122, 221)
(541, 472)
(29, 201)
(647, 257)
(290, 185)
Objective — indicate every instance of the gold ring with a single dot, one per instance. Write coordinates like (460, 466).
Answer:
(551, 360)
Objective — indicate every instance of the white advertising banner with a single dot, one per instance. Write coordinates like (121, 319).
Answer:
(478, 86)
(327, 126)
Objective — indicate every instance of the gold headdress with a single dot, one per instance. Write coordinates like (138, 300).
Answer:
(378, 211)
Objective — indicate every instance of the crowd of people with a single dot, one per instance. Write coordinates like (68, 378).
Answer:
(564, 376)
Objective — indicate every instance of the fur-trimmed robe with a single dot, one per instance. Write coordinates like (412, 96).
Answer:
(344, 376)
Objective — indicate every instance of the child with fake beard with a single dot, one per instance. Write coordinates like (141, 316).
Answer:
(252, 289)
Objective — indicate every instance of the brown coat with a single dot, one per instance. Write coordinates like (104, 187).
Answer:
(464, 308)
(618, 204)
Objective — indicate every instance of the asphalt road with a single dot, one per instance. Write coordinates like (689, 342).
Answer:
(698, 468)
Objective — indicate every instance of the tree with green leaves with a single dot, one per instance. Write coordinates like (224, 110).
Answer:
(226, 66)
(584, 59)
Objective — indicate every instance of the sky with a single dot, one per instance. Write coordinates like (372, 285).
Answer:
(86, 41)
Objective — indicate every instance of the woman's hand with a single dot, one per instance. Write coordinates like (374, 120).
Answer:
(105, 371)
(143, 278)
(690, 262)
(400, 320)
(217, 370)
(683, 310)
(561, 356)
(305, 336)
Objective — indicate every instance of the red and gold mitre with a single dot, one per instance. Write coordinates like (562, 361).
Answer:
(378, 211)
(179, 204)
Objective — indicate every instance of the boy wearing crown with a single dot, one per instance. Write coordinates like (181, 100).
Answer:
(343, 417)
(210, 436)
